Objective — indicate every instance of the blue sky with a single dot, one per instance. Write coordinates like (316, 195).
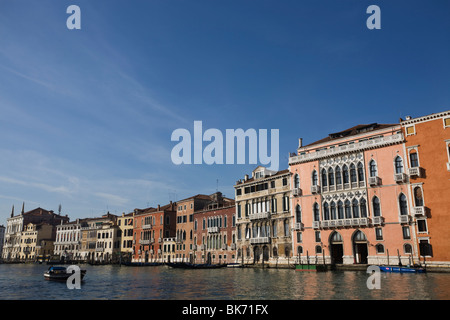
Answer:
(87, 115)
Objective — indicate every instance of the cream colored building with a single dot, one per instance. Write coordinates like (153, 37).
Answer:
(100, 239)
(31, 241)
(125, 224)
(17, 225)
(263, 217)
(67, 244)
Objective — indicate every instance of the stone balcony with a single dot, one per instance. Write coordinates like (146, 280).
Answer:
(146, 241)
(419, 211)
(259, 240)
(400, 177)
(352, 222)
(298, 226)
(213, 229)
(415, 172)
(259, 215)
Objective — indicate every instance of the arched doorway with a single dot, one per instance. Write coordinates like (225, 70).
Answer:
(360, 251)
(256, 254)
(336, 248)
(208, 258)
(146, 256)
(266, 253)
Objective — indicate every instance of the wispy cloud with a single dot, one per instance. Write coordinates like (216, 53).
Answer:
(112, 199)
(42, 186)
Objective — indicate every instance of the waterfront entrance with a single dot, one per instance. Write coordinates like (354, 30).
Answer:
(336, 248)
(360, 250)
(266, 253)
(256, 254)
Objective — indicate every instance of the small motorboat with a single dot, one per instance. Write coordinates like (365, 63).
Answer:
(235, 265)
(402, 269)
(60, 273)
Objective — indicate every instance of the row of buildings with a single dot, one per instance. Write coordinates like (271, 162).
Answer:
(371, 194)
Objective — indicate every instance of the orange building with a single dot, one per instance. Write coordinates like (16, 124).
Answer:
(214, 231)
(428, 150)
(349, 199)
(185, 223)
(151, 227)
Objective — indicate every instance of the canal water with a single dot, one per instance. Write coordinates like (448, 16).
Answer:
(26, 281)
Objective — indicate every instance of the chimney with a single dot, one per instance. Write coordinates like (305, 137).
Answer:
(300, 142)
(159, 207)
(246, 177)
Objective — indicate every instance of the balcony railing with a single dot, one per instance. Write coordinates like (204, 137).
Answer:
(259, 215)
(260, 240)
(213, 229)
(146, 241)
(146, 226)
(377, 220)
(404, 218)
(296, 192)
(400, 177)
(335, 223)
(316, 224)
(374, 181)
(419, 211)
(415, 172)
(315, 189)
(298, 226)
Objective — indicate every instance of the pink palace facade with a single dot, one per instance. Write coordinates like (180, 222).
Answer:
(350, 199)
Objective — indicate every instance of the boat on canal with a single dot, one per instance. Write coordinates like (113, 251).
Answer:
(311, 267)
(60, 273)
(397, 269)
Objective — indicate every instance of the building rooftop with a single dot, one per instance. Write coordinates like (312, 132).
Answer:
(353, 131)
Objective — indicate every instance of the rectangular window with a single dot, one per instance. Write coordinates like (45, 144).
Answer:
(414, 160)
(410, 130)
(379, 233)
(422, 225)
(406, 234)
(318, 239)
(284, 181)
(446, 122)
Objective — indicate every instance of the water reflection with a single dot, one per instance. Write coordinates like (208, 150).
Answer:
(113, 282)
